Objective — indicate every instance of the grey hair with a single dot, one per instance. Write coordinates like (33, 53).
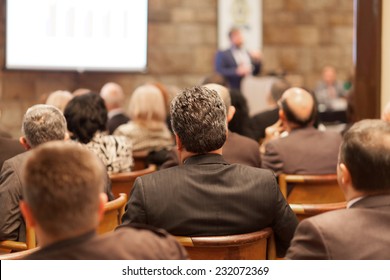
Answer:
(198, 118)
(43, 123)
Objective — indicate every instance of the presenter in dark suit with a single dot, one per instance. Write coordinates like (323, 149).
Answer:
(236, 62)
(207, 195)
(63, 201)
(362, 230)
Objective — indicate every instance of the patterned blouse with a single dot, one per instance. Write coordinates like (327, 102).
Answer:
(114, 151)
(145, 139)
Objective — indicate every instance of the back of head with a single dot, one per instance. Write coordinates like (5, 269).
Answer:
(365, 151)
(86, 114)
(112, 94)
(223, 93)
(278, 88)
(61, 184)
(198, 117)
(59, 99)
(147, 105)
(43, 123)
(298, 106)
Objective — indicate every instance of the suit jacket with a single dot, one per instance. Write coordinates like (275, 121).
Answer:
(263, 120)
(8, 149)
(12, 226)
(303, 151)
(126, 243)
(116, 121)
(360, 233)
(226, 65)
(208, 196)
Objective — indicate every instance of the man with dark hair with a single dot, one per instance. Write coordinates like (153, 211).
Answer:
(206, 195)
(236, 62)
(266, 118)
(293, 145)
(63, 200)
(361, 230)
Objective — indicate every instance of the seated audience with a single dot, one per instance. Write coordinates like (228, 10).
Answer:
(329, 89)
(114, 98)
(237, 148)
(59, 99)
(147, 129)
(63, 201)
(86, 116)
(305, 150)
(361, 230)
(267, 118)
(9, 148)
(207, 195)
(41, 124)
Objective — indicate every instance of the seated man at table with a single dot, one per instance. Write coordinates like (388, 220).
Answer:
(63, 200)
(207, 195)
(362, 230)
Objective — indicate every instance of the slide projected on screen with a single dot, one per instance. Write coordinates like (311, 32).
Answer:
(81, 35)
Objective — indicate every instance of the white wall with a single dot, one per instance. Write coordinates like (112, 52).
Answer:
(385, 83)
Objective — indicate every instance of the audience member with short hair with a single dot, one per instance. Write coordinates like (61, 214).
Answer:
(63, 200)
(207, 195)
(361, 230)
(59, 99)
(267, 118)
(304, 150)
(41, 124)
(147, 129)
(114, 98)
(86, 116)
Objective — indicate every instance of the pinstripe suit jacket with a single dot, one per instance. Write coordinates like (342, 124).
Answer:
(208, 196)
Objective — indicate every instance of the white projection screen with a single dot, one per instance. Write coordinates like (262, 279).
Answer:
(79, 35)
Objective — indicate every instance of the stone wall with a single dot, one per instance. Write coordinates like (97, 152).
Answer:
(300, 36)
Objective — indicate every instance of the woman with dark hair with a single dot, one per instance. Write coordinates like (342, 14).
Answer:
(86, 117)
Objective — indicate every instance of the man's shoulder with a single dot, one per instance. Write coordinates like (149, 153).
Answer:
(236, 138)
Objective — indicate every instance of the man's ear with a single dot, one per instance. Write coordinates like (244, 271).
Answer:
(23, 142)
(27, 214)
(230, 113)
(282, 116)
(344, 178)
(178, 143)
(102, 201)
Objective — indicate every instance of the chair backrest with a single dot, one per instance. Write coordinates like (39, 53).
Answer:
(11, 246)
(304, 211)
(259, 245)
(123, 182)
(140, 160)
(113, 212)
(18, 255)
(311, 188)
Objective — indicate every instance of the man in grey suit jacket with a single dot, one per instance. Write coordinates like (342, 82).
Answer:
(206, 195)
(305, 149)
(362, 230)
(63, 200)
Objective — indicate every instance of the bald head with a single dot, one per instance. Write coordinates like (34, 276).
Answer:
(298, 106)
(113, 96)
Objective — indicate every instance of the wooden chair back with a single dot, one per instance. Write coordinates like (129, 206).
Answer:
(304, 211)
(259, 245)
(113, 212)
(11, 246)
(123, 182)
(140, 160)
(18, 255)
(311, 188)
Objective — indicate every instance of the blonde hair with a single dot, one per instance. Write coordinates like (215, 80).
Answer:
(147, 107)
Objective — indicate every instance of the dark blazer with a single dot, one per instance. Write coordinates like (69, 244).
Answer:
(226, 65)
(208, 196)
(12, 226)
(242, 150)
(263, 120)
(126, 243)
(303, 151)
(8, 149)
(360, 233)
(116, 121)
